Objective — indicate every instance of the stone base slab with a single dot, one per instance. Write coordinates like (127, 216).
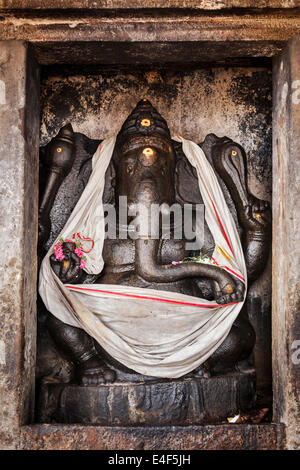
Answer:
(156, 403)
(210, 437)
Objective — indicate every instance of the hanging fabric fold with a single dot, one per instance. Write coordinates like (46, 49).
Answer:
(156, 333)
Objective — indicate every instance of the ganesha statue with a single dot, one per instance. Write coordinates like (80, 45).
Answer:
(127, 287)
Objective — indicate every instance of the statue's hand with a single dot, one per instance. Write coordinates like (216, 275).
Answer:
(256, 216)
(68, 269)
(232, 291)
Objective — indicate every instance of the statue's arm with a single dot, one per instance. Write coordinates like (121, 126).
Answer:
(58, 161)
(68, 269)
(254, 214)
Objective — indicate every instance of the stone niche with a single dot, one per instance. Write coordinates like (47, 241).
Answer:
(195, 101)
(202, 83)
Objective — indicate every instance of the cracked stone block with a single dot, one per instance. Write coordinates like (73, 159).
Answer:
(19, 129)
(286, 241)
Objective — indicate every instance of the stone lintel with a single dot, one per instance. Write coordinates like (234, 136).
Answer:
(142, 27)
(133, 38)
(143, 36)
(286, 241)
(19, 128)
(139, 4)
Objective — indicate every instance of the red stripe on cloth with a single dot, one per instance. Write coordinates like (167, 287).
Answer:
(218, 217)
(236, 274)
(81, 237)
(229, 269)
(149, 298)
(216, 212)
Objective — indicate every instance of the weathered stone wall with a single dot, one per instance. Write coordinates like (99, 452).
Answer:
(19, 123)
(286, 241)
(236, 102)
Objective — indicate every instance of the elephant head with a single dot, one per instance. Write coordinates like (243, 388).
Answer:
(143, 170)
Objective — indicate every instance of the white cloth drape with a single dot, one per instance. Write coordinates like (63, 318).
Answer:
(156, 333)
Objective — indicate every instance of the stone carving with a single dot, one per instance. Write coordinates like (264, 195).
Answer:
(143, 153)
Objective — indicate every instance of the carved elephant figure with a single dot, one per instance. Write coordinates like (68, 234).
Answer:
(149, 168)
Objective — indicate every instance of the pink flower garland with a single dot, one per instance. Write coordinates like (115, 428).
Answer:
(58, 251)
(59, 255)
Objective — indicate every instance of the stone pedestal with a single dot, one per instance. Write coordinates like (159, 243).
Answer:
(153, 403)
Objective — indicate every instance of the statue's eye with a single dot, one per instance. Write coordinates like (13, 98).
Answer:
(130, 168)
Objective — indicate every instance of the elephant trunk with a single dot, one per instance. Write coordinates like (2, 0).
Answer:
(147, 246)
(148, 268)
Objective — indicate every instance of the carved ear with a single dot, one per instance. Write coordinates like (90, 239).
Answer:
(186, 181)
(109, 188)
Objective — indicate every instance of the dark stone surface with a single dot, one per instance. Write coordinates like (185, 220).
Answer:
(153, 403)
(142, 53)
